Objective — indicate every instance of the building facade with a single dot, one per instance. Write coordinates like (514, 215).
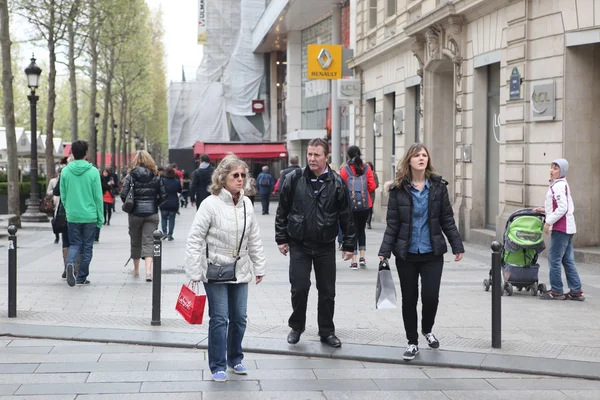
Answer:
(495, 89)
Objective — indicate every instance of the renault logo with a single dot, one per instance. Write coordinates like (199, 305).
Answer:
(325, 59)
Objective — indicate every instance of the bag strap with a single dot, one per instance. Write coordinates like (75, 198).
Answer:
(237, 256)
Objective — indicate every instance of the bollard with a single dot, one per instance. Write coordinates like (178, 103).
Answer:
(156, 278)
(12, 271)
(496, 295)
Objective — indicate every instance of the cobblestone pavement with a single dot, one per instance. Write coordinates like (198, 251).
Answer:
(531, 327)
(52, 369)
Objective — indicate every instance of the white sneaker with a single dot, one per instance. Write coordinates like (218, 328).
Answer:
(431, 340)
(411, 351)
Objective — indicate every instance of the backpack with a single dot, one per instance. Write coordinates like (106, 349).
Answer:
(357, 188)
(263, 180)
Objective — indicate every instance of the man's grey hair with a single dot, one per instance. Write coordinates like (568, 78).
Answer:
(265, 168)
(294, 160)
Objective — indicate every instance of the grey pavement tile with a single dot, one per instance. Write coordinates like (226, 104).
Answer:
(265, 374)
(93, 367)
(48, 358)
(383, 395)
(445, 373)
(145, 376)
(100, 349)
(544, 384)
(42, 397)
(185, 366)
(321, 384)
(176, 387)
(280, 346)
(18, 368)
(43, 378)
(582, 394)
(299, 395)
(510, 395)
(192, 355)
(433, 384)
(24, 350)
(79, 388)
(381, 365)
(26, 342)
(306, 364)
(563, 368)
(8, 389)
(4, 342)
(41, 331)
(142, 396)
(370, 373)
(141, 337)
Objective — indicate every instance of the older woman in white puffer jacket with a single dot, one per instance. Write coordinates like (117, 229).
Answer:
(219, 223)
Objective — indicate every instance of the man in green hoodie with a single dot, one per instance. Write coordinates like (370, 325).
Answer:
(81, 195)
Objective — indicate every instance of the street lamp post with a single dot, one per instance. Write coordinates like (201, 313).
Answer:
(33, 214)
(96, 120)
(113, 163)
(126, 148)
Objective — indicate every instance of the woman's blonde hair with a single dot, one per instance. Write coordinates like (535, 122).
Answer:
(403, 170)
(144, 159)
(229, 163)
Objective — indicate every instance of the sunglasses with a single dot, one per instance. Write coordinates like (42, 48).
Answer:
(237, 175)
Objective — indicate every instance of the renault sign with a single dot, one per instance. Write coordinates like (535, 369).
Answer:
(324, 61)
(542, 101)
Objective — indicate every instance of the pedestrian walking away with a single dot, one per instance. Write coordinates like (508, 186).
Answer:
(225, 233)
(201, 181)
(55, 199)
(116, 190)
(185, 192)
(108, 190)
(312, 203)
(419, 211)
(361, 182)
(560, 224)
(372, 194)
(266, 185)
(148, 193)
(81, 195)
(168, 210)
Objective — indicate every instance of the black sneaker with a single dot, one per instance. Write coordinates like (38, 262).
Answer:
(354, 266)
(71, 275)
(431, 340)
(170, 238)
(86, 282)
(411, 351)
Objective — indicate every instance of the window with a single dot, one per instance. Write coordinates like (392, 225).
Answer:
(391, 8)
(372, 14)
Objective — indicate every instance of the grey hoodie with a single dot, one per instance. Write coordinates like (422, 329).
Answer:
(563, 165)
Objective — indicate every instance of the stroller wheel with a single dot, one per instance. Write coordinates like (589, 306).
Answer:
(542, 288)
(486, 285)
(509, 289)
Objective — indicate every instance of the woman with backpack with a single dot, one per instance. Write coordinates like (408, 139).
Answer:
(360, 181)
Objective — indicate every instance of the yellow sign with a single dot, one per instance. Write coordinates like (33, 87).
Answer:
(324, 61)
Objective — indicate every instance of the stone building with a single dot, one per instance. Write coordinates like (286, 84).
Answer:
(496, 89)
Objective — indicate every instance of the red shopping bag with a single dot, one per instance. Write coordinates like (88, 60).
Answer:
(190, 305)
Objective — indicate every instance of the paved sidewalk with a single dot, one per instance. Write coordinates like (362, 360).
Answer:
(52, 370)
(533, 330)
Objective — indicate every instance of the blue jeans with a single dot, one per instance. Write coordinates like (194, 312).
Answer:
(227, 304)
(561, 251)
(81, 238)
(167, 216)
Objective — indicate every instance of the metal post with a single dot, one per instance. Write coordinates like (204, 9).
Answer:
(496, 296)
(336, 128)
(12, 271)
(156, 278)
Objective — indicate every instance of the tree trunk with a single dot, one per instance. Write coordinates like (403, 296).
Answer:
(73, 81)
(9, 115)
(105, 124)
(121, 135)
(93, 92)
(51, 105)
(113, 138)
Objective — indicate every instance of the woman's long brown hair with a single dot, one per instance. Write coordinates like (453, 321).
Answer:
(403, 170)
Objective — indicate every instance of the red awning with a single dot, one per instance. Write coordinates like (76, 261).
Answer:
(217, 151)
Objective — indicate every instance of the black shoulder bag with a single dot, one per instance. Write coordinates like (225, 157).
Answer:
(129, 199)
(225, 273)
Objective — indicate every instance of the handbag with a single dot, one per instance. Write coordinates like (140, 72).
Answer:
(385, 292)
(47, 204)
(191, 305)
(129, 202)
(225, 273)
(59, 221)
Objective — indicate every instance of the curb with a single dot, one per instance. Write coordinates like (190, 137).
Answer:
(308, 348)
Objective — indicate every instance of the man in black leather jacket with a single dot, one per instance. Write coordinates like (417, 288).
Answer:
(312, 204)
(201, 180)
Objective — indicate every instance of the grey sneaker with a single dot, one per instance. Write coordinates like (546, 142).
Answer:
(552, 295)
(411, 351)
(362, 263)
(71, 275)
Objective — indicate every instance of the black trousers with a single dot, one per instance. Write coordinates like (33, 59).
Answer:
(302, 258)
(360, 224)
(264, 201)
(429, 267)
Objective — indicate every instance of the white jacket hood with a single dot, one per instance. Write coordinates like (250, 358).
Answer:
(219, 223)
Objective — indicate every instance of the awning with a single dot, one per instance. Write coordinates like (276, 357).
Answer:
(218, 151)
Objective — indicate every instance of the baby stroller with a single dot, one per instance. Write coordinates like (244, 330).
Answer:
(523, 241)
